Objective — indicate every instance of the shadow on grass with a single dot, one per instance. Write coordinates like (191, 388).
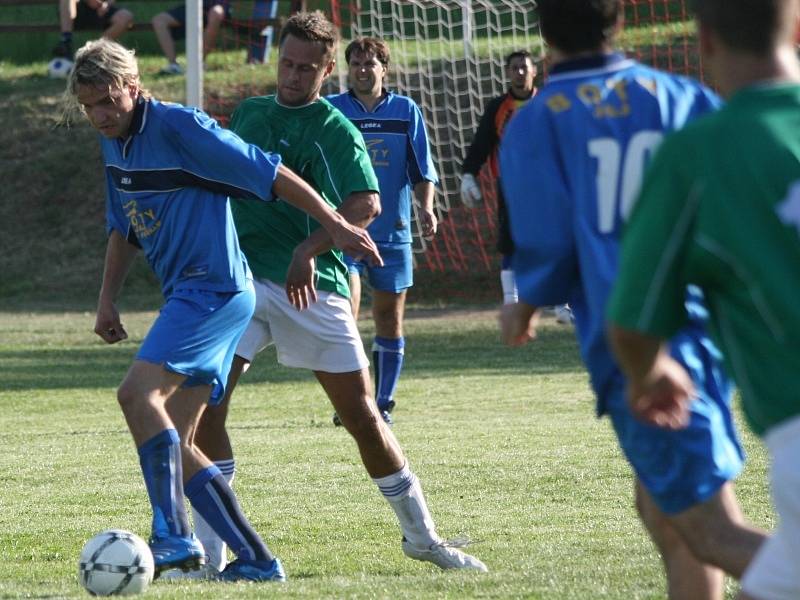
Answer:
(434, 353)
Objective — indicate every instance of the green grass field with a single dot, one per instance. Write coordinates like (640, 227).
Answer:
(504, 441)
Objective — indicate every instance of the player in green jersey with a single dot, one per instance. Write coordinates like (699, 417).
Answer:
(295, 268)
(720, 208)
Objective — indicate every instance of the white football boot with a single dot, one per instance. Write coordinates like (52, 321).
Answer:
(445, 554)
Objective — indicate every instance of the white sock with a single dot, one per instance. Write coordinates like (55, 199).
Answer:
(216, 550)
(509, 286)
(404, 493)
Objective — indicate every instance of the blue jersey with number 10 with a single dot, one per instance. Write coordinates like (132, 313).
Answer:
(571, 165)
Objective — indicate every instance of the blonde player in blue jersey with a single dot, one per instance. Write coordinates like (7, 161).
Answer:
(572, 161)
(169, 171)
(394, 130)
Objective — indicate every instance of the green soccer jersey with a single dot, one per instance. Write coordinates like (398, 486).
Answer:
(322, 146)
(720, 208)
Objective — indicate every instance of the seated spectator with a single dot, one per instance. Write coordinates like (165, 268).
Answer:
(170, 25)
(258, 49)
(90, 14)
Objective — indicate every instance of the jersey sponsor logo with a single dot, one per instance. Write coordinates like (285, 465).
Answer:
(378, 155)
(384, 126)
(608, 102)
(143, 222)
(558, 103)
(789, 209)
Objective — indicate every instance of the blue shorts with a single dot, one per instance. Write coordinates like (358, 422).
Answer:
(397, 272)
(196, 334)
(683, 468)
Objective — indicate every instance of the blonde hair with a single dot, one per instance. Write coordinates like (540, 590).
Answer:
(100, 63)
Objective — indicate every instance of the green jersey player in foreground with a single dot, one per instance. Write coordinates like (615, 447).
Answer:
(720, 208)
(295, 268)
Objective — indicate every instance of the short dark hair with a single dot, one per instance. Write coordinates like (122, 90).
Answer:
(519, 54)
(312, 27)
(368, 45)
(578, 25)
(749, 25)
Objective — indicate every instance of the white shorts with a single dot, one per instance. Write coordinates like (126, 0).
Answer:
(774, 573)
(322, 337)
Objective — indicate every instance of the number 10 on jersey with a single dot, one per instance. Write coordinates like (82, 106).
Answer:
(619, 174)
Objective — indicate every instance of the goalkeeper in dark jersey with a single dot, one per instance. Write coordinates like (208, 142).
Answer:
(521, 72)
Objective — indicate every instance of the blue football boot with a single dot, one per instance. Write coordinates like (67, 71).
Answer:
(243, 569)
(386, 412)
(177, 552)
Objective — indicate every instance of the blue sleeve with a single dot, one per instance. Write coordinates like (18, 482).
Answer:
(540, 209)
(420, 159)
(689, 99)
(115, 216)
(218, 159)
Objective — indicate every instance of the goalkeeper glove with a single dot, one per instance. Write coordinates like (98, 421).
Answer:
(470, 191)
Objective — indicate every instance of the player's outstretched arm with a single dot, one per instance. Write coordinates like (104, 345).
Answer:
(659, 388)
(518, 323)
(119, 258)
(359, 208)
(345, 235)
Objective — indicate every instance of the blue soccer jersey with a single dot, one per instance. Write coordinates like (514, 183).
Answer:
(571, 163)
(167, 191)
(397, 142)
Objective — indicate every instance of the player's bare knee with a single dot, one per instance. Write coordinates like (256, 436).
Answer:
(704, 540)
(365, 426)
(128, 396)
(214, 419)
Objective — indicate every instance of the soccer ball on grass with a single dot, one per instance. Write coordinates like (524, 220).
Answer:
(115, 562)
(59, 68)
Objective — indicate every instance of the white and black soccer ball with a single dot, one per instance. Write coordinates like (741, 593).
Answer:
(59, 68)
(115, 562)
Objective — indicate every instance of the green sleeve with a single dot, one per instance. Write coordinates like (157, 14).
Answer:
(650, 290)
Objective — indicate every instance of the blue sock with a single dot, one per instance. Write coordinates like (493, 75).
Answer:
(213, 498)
(160, 459)
(387, 359)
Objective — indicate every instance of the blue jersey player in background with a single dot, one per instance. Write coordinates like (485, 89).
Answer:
(572, 160)
(397, 141)
(169, 171)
